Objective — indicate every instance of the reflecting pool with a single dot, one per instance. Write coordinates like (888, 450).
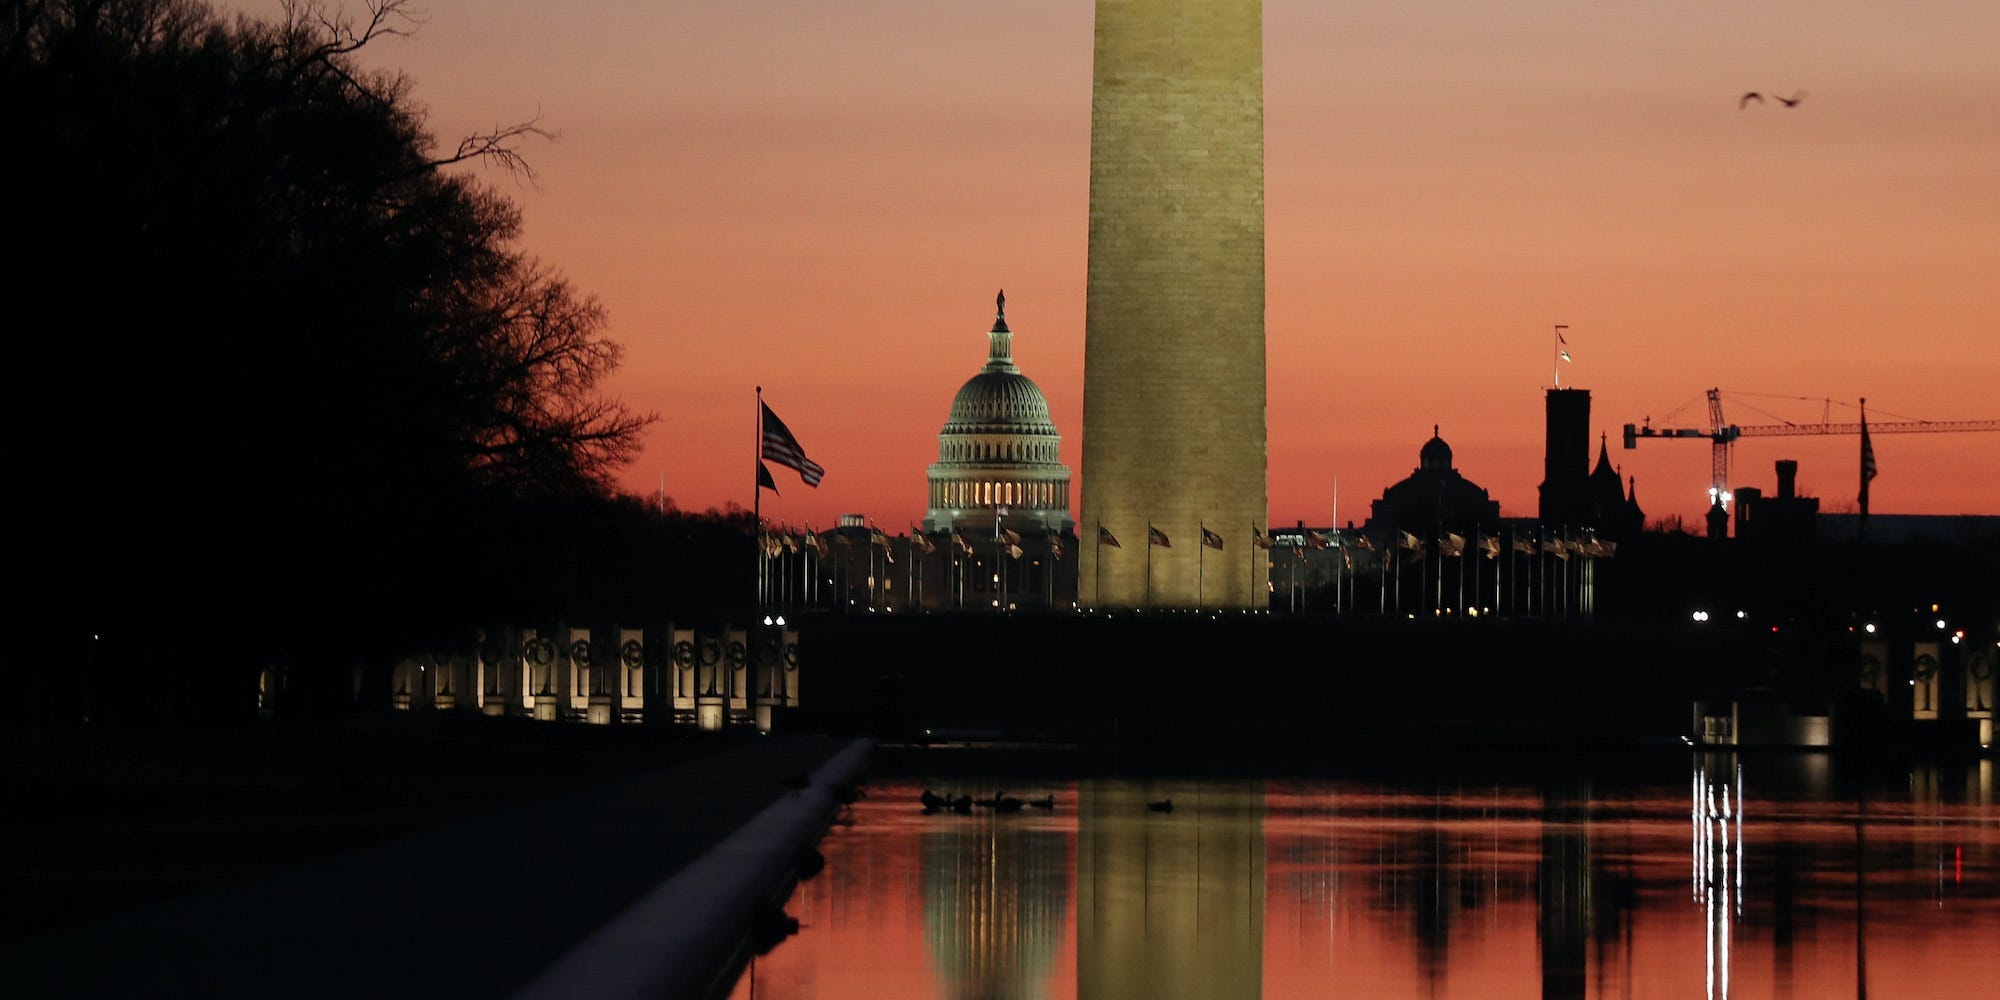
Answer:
(1672, 875)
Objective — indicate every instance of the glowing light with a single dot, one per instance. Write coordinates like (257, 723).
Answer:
(1940, 623)
(1869, 628)
(1740, 615)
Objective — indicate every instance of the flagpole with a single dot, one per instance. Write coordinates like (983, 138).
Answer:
(1461, 575)
(1149, 562)
(1201, 566)
(757, 493)
(999, 558)
(1097, 566)
(1513, 570)
(1555, 366)
(1867, 473)
(1496, 581)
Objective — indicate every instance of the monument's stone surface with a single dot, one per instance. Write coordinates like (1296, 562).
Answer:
(1173, 398)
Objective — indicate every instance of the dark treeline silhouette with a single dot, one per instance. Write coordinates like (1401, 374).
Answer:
(281, 381)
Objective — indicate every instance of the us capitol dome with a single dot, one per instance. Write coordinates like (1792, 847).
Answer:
(997, 454)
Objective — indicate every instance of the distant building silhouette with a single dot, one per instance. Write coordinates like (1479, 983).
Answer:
(1786, 519)
(1614, 502)
(1565, 487)
(1572, 494)
(1434, 497)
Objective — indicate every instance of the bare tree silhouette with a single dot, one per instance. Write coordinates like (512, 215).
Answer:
(299, 356)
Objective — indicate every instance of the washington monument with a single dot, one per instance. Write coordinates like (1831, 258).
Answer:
(1173, 371)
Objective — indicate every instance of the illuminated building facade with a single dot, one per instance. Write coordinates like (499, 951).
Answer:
(998, 454)
(997, 533)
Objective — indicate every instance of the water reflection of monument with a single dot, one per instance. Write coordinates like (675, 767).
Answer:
(995, 889)
(1170, 904)
(1711, 875)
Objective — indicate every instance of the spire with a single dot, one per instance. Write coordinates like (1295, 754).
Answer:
(1000, 356)
(1604, 469)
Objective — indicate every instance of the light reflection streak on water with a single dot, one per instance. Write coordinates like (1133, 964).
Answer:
(1718, 853)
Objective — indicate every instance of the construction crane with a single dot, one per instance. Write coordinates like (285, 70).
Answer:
(1723, 434)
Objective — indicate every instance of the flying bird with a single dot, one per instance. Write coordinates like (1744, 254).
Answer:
(1744, 101)
(1792, 101)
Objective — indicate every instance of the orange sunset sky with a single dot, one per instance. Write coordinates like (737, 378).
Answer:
(823, 198)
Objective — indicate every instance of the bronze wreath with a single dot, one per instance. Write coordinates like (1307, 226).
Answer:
(1981, 668)
(579, 652)
(540, 651)
(633, 653)
(684, 654)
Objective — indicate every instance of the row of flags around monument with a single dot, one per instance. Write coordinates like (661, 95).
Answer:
(777, 444)
(1451, 544)
(1157, 537)
(785, 542)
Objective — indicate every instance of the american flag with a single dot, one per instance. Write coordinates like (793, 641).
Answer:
(781, 447)
(1867, 464)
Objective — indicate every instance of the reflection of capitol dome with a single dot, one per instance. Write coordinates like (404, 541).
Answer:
(999, 449)
(996, 900)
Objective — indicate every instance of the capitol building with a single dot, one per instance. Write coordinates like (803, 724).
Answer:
(997, 532)
(997, 454)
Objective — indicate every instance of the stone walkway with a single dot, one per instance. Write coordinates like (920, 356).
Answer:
(641, 886)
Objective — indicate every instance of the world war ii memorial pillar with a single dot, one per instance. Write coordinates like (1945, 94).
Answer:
(1173, 377)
